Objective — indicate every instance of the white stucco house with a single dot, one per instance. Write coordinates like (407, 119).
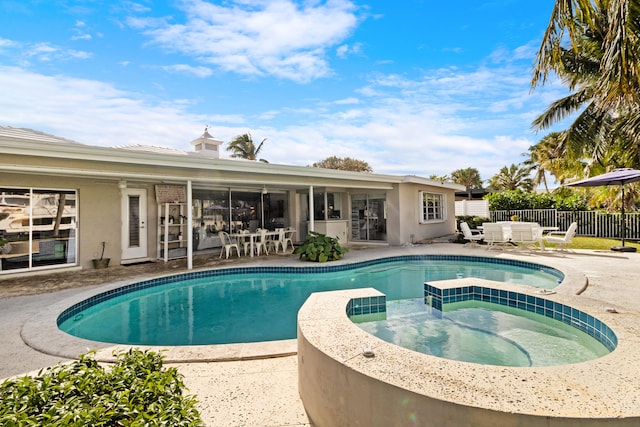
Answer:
(60, 199)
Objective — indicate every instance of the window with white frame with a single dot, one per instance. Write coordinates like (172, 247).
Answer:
(432, 207)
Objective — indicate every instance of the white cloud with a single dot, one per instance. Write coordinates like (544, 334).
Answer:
(344, 50)
(433, 123)
(25, 53)
(189, 70)
(279, 38)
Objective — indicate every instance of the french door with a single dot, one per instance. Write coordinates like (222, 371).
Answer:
(134, 223)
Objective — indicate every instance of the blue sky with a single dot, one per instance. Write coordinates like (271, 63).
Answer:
(412, 87)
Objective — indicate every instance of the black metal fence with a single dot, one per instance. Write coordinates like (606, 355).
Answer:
(590, 223)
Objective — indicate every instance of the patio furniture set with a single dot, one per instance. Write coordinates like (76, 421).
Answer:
(260, 241)
(522, 235)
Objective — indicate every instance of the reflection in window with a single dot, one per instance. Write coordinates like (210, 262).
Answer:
(219, 210)
(39, 226)
(327, 206)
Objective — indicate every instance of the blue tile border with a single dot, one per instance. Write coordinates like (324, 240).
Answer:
(367, 305)
(438, 297)
(99, 298)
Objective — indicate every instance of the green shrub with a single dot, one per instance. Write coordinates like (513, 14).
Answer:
(561, 199)
(320, 248)
(135, 391)
(472, 221)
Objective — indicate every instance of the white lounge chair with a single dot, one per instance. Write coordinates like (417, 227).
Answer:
(227, 244)
(526, 234)
(469, 234)
(495, 234)
(562, 238)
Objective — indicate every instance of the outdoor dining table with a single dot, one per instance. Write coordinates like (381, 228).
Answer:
(252, 237)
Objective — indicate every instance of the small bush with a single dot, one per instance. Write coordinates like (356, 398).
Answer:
(136, 391)
(320, 248)
(472, 221)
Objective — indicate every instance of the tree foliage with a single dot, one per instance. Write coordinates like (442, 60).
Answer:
(594, 48)
(469, 177)
(345, 164)
(512, 177)
(243, 147)
(564, 200)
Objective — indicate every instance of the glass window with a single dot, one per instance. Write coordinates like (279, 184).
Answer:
(219, 210)
(327, 206)
(39, 227)
(432, 207)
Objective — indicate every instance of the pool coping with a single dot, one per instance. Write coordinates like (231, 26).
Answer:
(42, 334)
(590, 391)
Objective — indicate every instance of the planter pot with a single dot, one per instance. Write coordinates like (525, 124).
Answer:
(101, 263)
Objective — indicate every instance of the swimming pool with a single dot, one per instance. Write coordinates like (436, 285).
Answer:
(261, 303)
(485, 333)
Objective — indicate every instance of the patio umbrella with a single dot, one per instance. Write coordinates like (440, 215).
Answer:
(616, 177)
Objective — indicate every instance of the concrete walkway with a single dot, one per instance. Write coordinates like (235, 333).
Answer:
(264, 392)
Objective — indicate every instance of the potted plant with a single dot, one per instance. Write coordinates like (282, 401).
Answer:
(320, 248)
(101, 262)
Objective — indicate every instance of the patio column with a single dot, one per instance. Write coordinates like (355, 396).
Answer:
(189, 226)
(311, 209)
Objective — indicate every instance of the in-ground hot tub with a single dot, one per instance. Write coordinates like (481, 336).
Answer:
(340, 385)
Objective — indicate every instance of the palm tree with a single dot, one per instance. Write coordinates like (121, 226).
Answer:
(243, 147)
(615, 23)
(513, 177)
(469, 177)
(547, 156)
(601, 67)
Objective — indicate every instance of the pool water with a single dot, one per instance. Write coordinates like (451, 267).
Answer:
(485, 333)
(263, 306)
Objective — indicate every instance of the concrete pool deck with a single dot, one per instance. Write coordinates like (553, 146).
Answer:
(265, 392)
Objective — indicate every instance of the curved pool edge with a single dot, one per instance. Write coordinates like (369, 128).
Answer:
(42, 334)
(402, 384)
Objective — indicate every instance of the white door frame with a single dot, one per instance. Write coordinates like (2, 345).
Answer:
(139, 249)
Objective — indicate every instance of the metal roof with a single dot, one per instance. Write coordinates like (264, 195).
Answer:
(33, 135)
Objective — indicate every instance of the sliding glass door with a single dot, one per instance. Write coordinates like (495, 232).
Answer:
(368, 217)
(37, 228)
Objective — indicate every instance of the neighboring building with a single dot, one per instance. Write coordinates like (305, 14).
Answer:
(473, 194)
(59, 200)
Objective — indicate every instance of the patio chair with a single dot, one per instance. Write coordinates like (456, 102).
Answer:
(287, 239)
(245, 241)
(562, 238)
(495, 234)
(227, 244)
(470, 235)
(527, 234)
(261, 241)
(275, 240)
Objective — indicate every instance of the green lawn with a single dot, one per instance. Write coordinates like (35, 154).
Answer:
(596, 243)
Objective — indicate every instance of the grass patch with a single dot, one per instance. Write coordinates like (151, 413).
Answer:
(596, 243)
